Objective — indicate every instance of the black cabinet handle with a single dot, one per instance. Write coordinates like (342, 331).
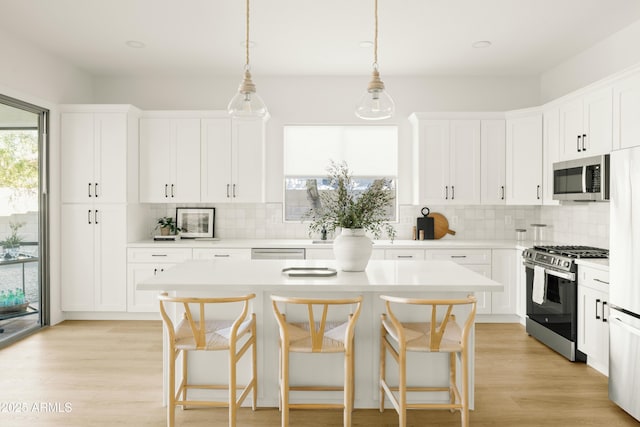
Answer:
(158, 254)
(89, 190)
(604, 319)
(234, 190)
(453, 192)
(162, 270)
(95, 189)
(221, 256)
(597, 302)
(584, 139)
(172, 195)
(446, 192)
(89, 216)
(538, 192)
(458, 256)
(502, 189)
(578, 144)
(155, 271)
(166, 188)
(95, 217)
(405, 256)
(228, 191)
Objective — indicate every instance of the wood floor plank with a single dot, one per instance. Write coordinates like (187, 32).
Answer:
(110, 374)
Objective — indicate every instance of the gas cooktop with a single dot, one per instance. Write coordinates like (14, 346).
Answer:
(571, 251)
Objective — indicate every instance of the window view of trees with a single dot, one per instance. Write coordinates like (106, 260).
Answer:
(18, 171)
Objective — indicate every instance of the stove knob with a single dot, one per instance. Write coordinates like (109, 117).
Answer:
(567, 263)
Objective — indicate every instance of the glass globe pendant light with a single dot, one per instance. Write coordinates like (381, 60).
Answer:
(375, 104)
(247, 103)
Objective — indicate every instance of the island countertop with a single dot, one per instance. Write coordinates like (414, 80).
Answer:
(379, 276)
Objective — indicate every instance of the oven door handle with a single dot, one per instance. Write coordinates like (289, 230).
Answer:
(561, 274)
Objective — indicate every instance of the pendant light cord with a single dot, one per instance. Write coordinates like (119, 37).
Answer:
(246, 44)
(375, 38)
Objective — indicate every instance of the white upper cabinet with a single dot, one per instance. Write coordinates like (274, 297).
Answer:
(524, 160)
(233, 160)
(550, 152)
(447, 153)
(586, 125)
(95, 153)
(493, 162)
(626, 111)
(169, 160)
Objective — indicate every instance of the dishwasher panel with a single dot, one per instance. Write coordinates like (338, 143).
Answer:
(277, 253)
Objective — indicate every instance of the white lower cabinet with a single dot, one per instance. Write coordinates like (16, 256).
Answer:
(93, 265)
(478, 260)
(593, 316)
(144, 263)
(221, 253)
(143, 301)
(503, 270)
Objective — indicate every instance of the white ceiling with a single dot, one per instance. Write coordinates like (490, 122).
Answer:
(321, 37)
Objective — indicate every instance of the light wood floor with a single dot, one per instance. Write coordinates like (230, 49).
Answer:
(110, 375)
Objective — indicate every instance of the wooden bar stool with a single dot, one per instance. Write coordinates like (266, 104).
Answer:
(316, 336)
(435, 336)
(202, 334)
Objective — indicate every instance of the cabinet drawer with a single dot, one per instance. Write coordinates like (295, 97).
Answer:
(158, 254)
(594, 279)
(400, 254)
(220, 253)
(461, 256)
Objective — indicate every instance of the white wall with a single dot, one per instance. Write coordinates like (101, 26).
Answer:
(41, 79)
(613, 54)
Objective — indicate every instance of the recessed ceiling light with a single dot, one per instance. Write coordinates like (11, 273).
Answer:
(481, 44)
(135, 44)
(366, 44)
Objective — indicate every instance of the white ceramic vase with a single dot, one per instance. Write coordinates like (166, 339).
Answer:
(352, 249)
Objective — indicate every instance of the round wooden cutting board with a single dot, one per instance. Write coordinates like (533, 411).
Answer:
(440, 226)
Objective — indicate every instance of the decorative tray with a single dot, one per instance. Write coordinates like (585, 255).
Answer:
(14, 308)
(309, 271)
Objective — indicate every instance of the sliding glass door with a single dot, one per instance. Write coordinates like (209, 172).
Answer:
(23, 219)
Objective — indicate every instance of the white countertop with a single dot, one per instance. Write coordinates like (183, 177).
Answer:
(380, 276)
(445, 243)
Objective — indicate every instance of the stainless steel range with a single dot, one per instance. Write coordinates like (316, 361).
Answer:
(552, 295)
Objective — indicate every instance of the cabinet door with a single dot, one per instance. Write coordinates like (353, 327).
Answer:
(503, 270)
(590, 327)
(524, 160)
(248, 180)
(216, 160)
(598, 123)
(143, 301)
(77, 139)
(185, 149)
(111, 158)
(464, 163)
(77, 257)
(483, 306)
(492, 162)
(110, 258)
(626, 110)
(434, 161)
(571, 129)
(156, 162)
(550, 153)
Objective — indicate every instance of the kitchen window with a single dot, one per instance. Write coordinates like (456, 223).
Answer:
(371, 152)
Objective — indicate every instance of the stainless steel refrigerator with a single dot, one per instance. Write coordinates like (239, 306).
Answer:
(624, 277)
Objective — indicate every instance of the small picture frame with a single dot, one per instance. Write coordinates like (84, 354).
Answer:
(196, 222)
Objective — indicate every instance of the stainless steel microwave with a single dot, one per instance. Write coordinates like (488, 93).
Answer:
(582, 179)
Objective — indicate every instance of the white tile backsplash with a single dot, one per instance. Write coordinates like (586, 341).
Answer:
(575, 224)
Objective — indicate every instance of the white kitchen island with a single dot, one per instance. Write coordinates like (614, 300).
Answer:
(425, 279)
